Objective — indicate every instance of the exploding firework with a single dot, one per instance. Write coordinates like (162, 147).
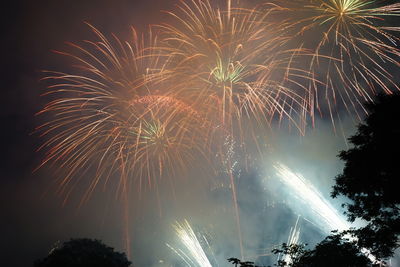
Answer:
(352, 49)
(231, 66)
(193, 254)
(293, 239)
(325, 216)
(112, 116)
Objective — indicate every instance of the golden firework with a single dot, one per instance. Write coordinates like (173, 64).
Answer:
(352, 49)
(228, 66)
(115, 114)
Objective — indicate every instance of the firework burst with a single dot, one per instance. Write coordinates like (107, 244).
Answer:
(326, 216)
(112, 117)
(231, 66)
(352, 50)
(194, 255)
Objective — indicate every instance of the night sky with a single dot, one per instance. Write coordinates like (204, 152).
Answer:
(34, 217)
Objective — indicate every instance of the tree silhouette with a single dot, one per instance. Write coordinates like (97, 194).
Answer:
(293, 251)
(83, 253)
(237, 262)
(335, 250)
(370, 177)
(234, 261)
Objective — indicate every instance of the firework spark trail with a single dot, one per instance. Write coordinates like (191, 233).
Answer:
(186, 259)
(236, 208)
(126, 220)
(352, 46)
(210, 250)
(230, 67)
(106, 117)
(293, 239)
(328, 218)
(195, 253)
(231, 165)
(294, 235)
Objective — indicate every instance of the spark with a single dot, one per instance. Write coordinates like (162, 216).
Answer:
(230, 66)
(293, 239)
(195, 253)
(328, 218)
(115, 115)
(352, 49)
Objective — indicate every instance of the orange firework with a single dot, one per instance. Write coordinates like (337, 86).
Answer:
(353, 50)
(231, 67)
(112, 117)
(169, 135)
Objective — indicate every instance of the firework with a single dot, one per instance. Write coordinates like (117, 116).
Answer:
(194, 255)
(352, 49)
(232, 68)
(328, 218)
(293, 239)
(294, 233)
(216, 53)
(112, 116)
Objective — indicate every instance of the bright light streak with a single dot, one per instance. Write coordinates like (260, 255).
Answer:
(294, 233)
(303, 190)
(293, 239)
(329, 219)
(189, 239)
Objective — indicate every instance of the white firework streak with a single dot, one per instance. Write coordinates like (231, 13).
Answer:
(294, 233)
(189, 239)
(293, 239)
(306, 192)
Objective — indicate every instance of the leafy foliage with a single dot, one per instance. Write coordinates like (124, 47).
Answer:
(370, 177)
(334, 251)
(240, 263)
(293, 251)
(83, 253)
